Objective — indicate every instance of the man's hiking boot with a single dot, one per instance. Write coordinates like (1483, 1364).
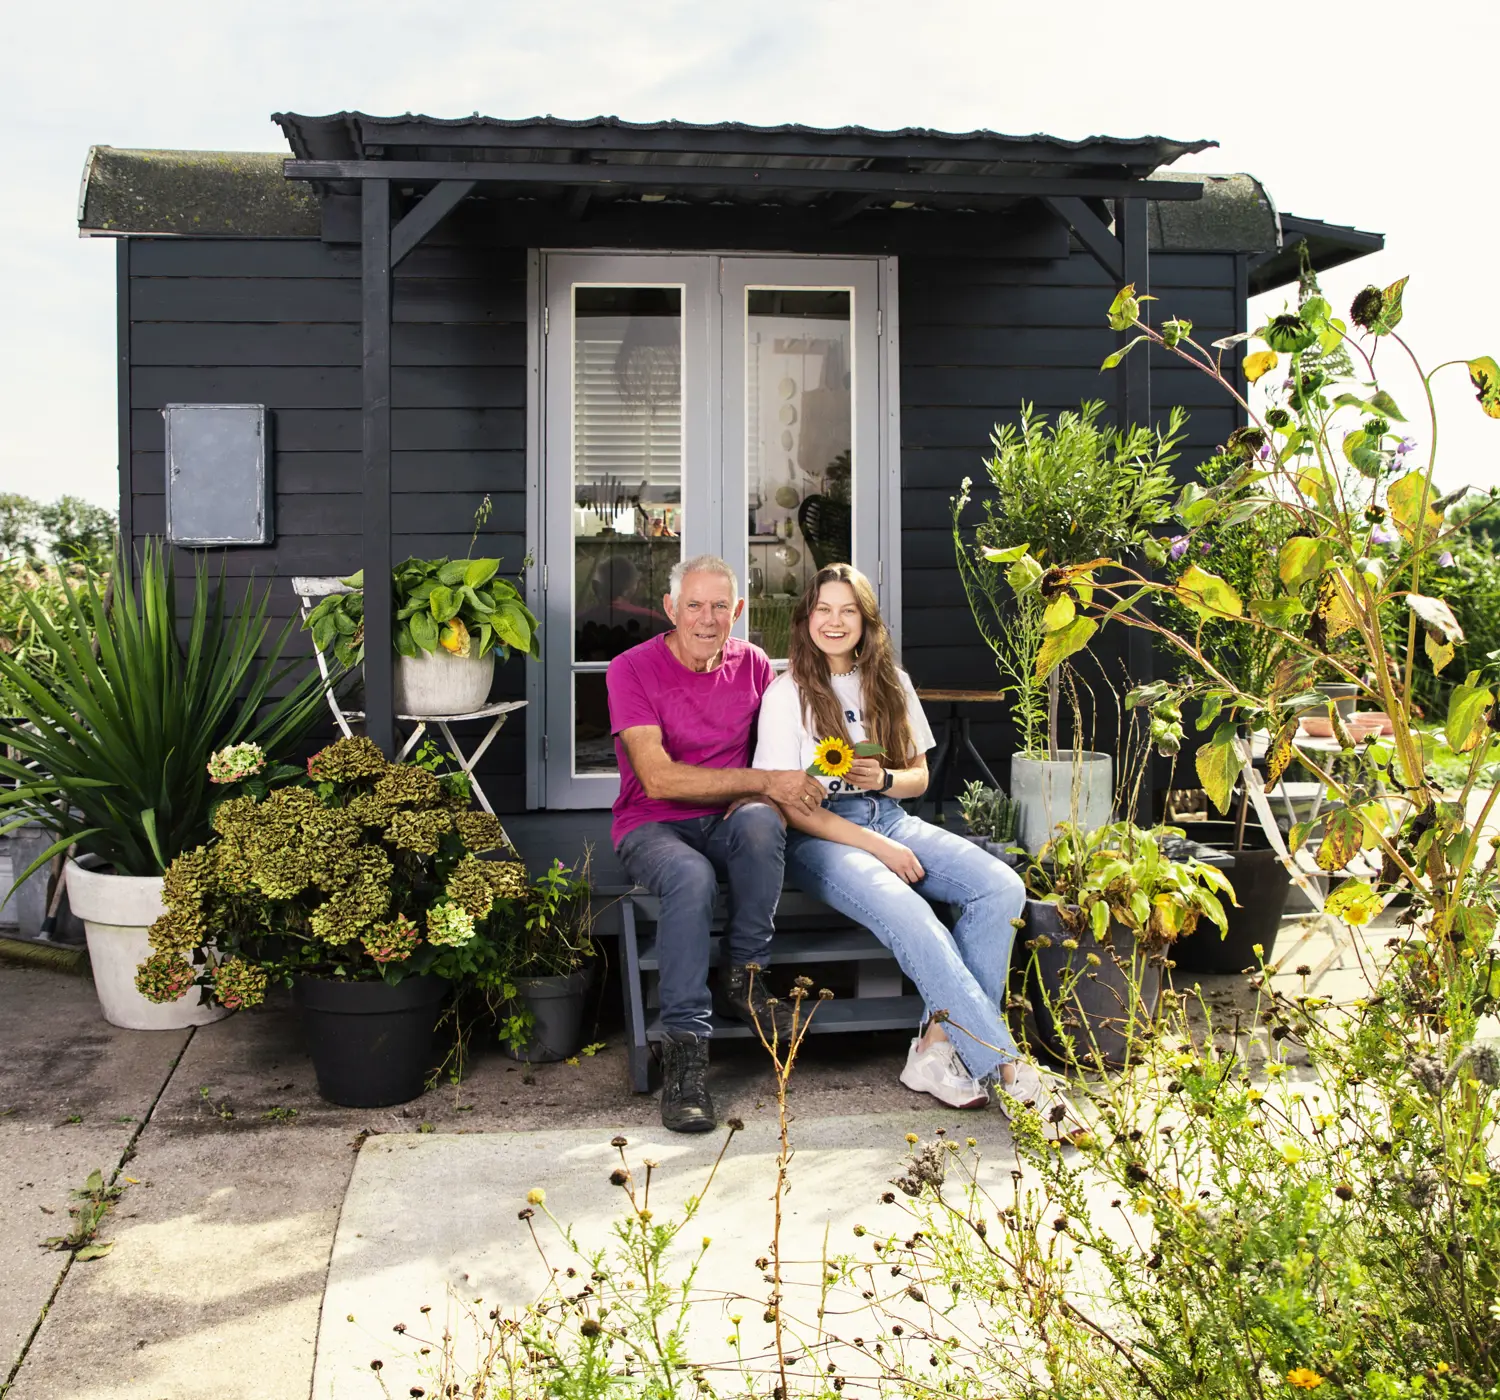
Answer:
(685, 1104)
(748, 1000)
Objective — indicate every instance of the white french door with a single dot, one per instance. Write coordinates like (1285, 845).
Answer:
(695, 404)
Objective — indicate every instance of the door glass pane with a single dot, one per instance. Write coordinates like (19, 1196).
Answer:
(799, 466)
(627, 486)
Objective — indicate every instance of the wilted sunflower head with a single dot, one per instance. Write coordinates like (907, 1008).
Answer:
(1367, 307)
(1278, 417)
(1245, 442)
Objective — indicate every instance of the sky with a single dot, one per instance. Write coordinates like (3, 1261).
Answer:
(1375, 115)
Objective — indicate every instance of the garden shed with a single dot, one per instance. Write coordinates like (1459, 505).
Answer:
(782, 344)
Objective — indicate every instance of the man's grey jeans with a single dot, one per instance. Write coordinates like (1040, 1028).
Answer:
(681, 863)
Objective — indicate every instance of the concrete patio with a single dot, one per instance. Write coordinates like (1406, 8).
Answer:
(256, 1218)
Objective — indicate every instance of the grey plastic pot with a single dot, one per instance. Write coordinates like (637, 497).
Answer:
(1086, 1012)
(442, 684)
(999, 849)
(27, 907)
(557, 1007)
(1079, 788)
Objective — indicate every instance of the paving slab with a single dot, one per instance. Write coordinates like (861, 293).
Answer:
(220, 1245)
(432, 1220)
(73, 1092)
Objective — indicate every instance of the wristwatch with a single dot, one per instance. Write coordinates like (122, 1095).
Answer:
(890, 777)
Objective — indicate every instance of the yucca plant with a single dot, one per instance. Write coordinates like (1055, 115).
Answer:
(112, 754)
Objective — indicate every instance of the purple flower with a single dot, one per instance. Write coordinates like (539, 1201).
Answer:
(1406, 445)
(1445, 559)
(1179, 546)
(1380, 535)
(1204, 547)
(1265, 452)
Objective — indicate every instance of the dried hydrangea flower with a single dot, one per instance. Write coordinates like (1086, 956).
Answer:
(165, 977)
(239, 984)
(236, 763)
(448, 925)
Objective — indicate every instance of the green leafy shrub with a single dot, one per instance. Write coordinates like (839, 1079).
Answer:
(111, 751)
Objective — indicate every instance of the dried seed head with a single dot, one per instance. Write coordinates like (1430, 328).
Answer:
(736, 1125)
(618, 1141)
(1367, 307)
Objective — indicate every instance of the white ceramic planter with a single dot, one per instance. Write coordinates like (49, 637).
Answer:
(117, 912)
(1079, 788)
(442, 684)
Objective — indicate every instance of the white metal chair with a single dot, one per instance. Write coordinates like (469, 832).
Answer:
(310, 592)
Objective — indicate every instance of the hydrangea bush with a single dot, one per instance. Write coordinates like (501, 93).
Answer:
(361, 868)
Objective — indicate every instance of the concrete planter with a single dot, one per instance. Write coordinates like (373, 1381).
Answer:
(432, 685)
(1079, 788)
(117, 912)
(27, 907)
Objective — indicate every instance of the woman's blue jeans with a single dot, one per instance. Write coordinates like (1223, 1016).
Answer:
(964, 972)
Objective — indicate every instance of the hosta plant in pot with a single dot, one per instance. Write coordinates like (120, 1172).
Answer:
(1064, 496)
(546, 944)
(452, 617)
(111, 754)
(362, 887)
(1108, 908)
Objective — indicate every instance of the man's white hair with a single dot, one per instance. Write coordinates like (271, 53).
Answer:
(701, 564)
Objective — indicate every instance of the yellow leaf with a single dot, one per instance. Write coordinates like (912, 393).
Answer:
(1260, 364)
(1484, 374)
(1058, 613)
(1058, 646)
(1440, 653)
(454, 637)
(1403, 499)
(1354, 902)
(1279, 755)
(1301, 560)
(1207, 594)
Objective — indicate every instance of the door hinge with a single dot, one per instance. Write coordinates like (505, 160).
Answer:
(546, 321)
(880, 571)
(879, 322)
(544, 747)
(544, 578)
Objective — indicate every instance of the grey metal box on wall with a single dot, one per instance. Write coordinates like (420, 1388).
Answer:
(218, 473)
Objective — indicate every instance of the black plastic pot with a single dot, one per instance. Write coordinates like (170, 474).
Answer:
(1086, 1012)
(371, 1044)
(1261, 884)
(557, 1007)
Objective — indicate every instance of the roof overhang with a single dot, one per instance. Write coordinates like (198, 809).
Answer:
(1328, 246)
(548, 157)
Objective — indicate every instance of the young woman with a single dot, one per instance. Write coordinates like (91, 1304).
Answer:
(861, 853)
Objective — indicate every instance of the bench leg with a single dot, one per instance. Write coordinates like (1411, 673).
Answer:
(635, 1012)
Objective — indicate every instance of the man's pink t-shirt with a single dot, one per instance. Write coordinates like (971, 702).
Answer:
(706, 718)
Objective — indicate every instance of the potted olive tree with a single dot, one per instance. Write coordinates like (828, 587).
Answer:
(1109, 908)
(361, 886)
(111, 755)
(1063, 497)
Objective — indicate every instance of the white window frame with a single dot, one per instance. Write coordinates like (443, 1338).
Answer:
(724, 482)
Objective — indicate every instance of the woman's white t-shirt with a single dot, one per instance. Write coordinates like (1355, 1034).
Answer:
(783, 739)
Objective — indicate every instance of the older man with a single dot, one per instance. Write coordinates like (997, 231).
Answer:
(691, 811)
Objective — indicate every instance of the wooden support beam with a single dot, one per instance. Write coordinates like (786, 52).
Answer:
(1135, 396)
(432, 209)
(840, 208)
(375, 311)
(1092, 231)
(898, 184)
(578, 203)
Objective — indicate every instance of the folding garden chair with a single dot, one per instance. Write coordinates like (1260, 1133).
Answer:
(310, 592)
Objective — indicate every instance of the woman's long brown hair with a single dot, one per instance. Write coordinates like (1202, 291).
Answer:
(881, 690)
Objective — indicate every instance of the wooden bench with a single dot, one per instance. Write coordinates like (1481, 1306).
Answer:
(807, 932)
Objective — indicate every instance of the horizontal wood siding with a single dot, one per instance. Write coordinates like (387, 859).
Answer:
(978, 338)
(276, 321)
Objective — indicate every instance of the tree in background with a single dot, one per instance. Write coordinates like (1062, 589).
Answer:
(69, 529)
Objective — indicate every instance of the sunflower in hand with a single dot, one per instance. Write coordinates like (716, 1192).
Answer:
(832, 758)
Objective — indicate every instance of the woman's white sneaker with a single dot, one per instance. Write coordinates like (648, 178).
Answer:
(1033, 1087)
(938, 1071)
